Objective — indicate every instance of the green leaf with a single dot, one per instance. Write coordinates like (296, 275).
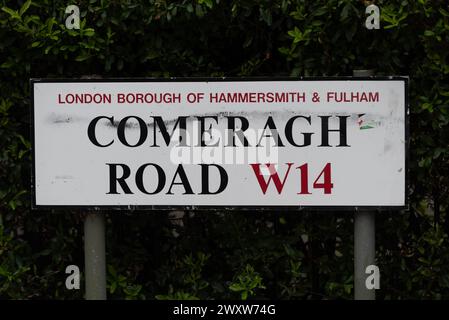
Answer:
(7, 64)
(345, 11)
(89, 32)
(13, 13)
(112, 271)
(208, 3)
(25, 7)
(113, 287)
(82, 57)
(236, 287)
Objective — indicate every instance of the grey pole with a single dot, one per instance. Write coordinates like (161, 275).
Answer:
(95, 256)
(364, 253)
(94, 249)
(364, 240)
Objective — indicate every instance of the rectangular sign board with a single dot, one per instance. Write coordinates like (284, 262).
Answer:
(205, 143)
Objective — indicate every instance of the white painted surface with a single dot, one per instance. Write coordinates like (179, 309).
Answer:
(70, 170)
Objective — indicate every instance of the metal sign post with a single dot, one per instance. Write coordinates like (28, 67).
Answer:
(364, 253)
(95, 249)
(95, 256)
(364, 239)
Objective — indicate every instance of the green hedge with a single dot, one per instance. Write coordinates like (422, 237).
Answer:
(222, 254)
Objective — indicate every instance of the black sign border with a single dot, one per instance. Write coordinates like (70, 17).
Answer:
(347, 208)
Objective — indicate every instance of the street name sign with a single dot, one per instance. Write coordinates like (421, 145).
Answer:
(211, 143)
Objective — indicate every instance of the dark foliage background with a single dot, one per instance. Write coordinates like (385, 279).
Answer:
(227, 254)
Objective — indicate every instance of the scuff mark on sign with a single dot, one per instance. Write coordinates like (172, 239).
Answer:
(64, 177)
(64, 118)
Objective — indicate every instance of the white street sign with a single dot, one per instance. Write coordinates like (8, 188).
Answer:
(324, 142)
